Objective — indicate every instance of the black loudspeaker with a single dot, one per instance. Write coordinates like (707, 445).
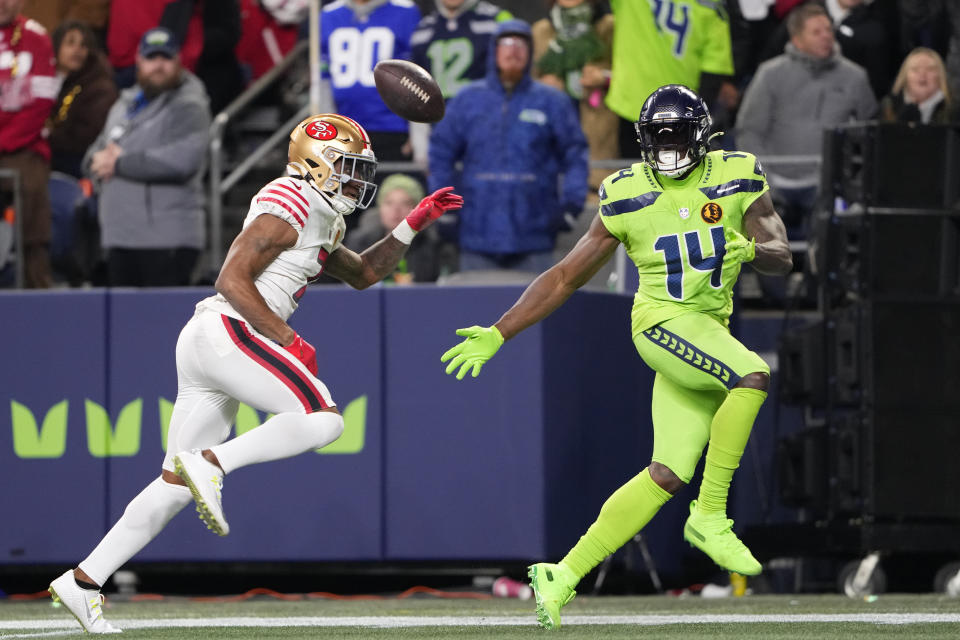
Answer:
(895, 355)
(803, 474)
(894, 464)
(895, 165)
(901, 254)
(802, 374)
(886, 465)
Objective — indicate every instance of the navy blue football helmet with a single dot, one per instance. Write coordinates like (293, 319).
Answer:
(673, 129)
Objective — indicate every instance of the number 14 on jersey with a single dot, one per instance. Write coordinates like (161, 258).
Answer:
(669, 245)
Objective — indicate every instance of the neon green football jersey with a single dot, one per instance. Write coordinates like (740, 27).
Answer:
(673, 232)
(666, 42)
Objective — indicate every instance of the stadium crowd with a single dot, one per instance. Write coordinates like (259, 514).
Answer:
(107, 127)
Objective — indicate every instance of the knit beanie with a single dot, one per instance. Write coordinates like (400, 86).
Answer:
(400, 181)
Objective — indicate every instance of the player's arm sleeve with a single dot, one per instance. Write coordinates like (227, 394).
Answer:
(607, 212)
(447, 143)
(575, 155)
(756, 113)
(717, 57)
(179, 156)
(755, 177)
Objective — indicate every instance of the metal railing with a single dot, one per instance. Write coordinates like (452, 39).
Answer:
(14, 175)
(218, 183)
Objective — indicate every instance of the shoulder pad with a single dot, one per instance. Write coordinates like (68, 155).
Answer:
(285, 197)
(626, 191)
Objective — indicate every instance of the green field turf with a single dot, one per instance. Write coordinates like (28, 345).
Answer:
(606, 617)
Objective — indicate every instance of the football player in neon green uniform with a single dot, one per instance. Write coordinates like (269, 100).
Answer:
(688, 219)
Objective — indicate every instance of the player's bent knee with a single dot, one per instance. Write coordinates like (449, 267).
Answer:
(171, 478)
(758, 380)
(327, 426)
(665, 477)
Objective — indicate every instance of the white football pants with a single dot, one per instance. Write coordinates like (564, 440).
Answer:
(222, 361)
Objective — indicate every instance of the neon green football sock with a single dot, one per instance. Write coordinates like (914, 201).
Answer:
(624, 513)
(729, 433)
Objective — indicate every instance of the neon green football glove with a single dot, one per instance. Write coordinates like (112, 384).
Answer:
(480, 345)
(738, 249)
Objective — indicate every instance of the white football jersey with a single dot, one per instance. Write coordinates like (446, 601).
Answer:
(320, 229)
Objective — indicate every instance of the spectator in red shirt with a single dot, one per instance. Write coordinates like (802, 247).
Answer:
(268, 35)
(28, 88)
(130, 19)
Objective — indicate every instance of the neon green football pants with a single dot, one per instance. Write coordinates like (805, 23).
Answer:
(697, 362)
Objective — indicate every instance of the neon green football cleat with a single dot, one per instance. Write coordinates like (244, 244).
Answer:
(553, 588)
(713, 534)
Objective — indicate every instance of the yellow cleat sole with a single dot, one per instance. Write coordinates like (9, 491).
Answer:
(543, 618)
(56, 598)
(202, 509)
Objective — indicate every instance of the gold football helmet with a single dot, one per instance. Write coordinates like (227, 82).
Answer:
(333, 154)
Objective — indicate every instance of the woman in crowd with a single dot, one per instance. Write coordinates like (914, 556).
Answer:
(920, 92)
(86, 95)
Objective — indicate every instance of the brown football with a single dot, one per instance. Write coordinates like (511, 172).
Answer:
(409, 90)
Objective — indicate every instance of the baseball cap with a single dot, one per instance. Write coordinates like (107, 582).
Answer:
(158, 41)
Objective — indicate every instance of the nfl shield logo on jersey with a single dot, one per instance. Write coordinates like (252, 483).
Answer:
(684, 212)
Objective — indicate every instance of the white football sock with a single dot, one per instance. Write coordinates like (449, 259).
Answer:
(282, 436)
(145, 516)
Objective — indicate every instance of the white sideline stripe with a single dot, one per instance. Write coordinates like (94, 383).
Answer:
(45, 634)
(477, 621)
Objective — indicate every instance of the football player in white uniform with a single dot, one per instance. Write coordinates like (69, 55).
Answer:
(238, 346)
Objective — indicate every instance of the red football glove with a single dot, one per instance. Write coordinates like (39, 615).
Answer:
(305, 353)
(432, 207)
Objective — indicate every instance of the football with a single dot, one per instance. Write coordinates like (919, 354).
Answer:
(409, 91)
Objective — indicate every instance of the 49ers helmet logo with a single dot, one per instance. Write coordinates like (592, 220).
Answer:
(711, 213)
(321, 130)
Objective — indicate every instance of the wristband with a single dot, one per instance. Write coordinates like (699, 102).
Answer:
(404, 232)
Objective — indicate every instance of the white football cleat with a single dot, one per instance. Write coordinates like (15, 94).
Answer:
(84, 604)
(205, 481)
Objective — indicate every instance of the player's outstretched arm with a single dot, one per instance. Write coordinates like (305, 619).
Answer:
(556, 284)
(252, 250)
(762, 223)
(379, 260)
(360, 270)
(546, 293)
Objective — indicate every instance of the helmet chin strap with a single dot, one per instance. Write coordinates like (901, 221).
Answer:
(340, 203)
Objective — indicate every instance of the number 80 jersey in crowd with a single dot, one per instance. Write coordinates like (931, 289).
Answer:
(320, 232)
(673, 230)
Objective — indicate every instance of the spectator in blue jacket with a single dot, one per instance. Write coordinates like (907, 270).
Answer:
(524, 160)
